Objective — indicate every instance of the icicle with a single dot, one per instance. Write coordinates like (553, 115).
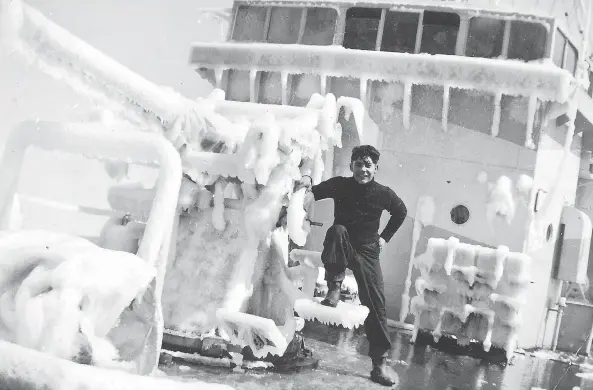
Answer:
(530, 121)
(487, 343)
(297, 227)
(323, 86)
(407, 105)
(284, 82)
(445, 112)
(416, 306)
(218, 212)
(424, 215)
(356, 107)
(452, 243)
(318, 168)
(218, 72)
(501, 255)
(252, 86)
(363, 91)
(496, 116)
(437, 332)
(329, 162)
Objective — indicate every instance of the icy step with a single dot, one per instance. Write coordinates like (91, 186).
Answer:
(349, 315)
(247, 330)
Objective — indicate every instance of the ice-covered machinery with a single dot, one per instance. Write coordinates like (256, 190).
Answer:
(470, 292)
(133, 147)
(239, 159)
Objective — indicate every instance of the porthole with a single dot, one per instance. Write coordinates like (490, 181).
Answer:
(549, 232)
(459, 214)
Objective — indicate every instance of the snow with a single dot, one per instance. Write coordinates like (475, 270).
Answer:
(517, 78)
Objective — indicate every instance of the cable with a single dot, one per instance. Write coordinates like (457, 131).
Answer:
(568, 368)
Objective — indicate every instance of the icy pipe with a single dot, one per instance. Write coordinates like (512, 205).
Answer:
(90, 141)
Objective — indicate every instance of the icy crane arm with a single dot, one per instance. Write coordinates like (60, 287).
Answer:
(132, 147)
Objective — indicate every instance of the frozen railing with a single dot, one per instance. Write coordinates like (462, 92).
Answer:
(266, 73)
(92, 142)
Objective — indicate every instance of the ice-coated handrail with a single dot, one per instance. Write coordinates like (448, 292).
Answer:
(91, 140)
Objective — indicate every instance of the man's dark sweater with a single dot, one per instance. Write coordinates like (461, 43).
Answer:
(358, 207)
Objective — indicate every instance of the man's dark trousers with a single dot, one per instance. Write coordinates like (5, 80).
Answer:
(363, 259)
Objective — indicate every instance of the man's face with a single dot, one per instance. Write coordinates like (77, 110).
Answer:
(363, 169)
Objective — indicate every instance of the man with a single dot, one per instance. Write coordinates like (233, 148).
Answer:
(354, 242)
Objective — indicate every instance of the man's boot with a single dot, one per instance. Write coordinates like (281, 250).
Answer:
(333, 294)
(380, 373)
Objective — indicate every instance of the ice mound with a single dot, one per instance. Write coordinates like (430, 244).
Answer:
(470, 292)
(62, 294)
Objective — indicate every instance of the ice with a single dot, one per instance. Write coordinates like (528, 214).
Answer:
(347, 314)
(62, 293)
(356, 107)
(501, 201)
(514, 77)
(28, 368)
(296, 218)
(524, 185)
(484, 284)
(218, 211)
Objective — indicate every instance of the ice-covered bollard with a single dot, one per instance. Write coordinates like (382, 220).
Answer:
(470, 292)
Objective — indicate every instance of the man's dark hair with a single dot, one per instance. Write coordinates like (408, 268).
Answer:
(364, 151)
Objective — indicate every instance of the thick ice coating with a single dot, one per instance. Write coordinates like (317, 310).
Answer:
(62, 294)
(470, 292)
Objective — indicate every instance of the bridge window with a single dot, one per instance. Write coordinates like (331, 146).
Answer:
(464, 106)
(439, 32)
(238, 88)
(302, 86)
(270, 88)
(320, 26)
(527, 41)
(427, 101)
(249, 24)
(362, 27)
(399, 33)
(565, 54)
(485, 37)
(285, 24)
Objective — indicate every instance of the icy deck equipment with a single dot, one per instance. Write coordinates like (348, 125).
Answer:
(470, 292)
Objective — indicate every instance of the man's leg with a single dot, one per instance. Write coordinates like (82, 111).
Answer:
(337, 254)
(367, 271)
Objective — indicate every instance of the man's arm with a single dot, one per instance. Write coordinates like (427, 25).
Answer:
(324, 190)
(398, 211)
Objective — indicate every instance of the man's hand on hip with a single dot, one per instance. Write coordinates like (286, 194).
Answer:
(381, 244)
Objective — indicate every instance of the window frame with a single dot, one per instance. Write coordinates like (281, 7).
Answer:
(567, 42)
